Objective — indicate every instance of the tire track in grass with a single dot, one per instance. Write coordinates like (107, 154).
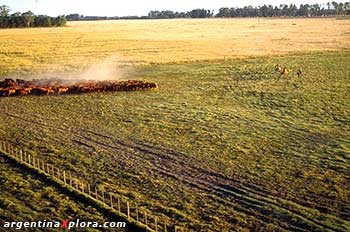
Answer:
(238, 190)
(244, 196)
(126, 148)
(184, 173)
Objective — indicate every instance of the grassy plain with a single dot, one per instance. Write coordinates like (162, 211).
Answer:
(223, 145)
(81, 44)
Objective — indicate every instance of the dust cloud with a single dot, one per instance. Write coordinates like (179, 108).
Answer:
(107, 69)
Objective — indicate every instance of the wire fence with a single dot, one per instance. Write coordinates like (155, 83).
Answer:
(115, 203)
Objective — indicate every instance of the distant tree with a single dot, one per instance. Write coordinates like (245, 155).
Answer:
(200, 13)
(16, 20)
(304, 10)
(335, 6)
(4, 21)
(28, 18)
(292, 10)
(42, 21)
(340, 8)
(4, 11)
(59, 21)
(74, 17)
(224, 12)
(347, 8)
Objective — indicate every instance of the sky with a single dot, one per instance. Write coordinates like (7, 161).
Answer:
(131, 7)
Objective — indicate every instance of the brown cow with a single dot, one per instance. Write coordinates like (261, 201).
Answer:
(10, 91)
(20, 81)
(61, 90)
(2, 92)
(7, 83)
(38, 91)
(24, 91)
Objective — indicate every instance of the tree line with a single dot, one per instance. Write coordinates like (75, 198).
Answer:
(197, 13)
(283, 10)
(28, 19)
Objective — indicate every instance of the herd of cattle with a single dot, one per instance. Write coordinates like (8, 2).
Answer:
(18, 87)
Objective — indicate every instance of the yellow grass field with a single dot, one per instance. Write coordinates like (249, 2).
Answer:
(162, 41)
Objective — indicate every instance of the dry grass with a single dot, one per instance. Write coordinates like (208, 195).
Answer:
(161, 41)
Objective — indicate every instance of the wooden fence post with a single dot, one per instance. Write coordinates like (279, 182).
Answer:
(89, 190)
(165, 229)
(21, 154)
(64, 177)
(53, 170)
(137, 214)
(128, 209)
(146, 222)
(70, 179)
(119, 210)
(111, 199)
(155, 224)
(96, 196)
(29, 159)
